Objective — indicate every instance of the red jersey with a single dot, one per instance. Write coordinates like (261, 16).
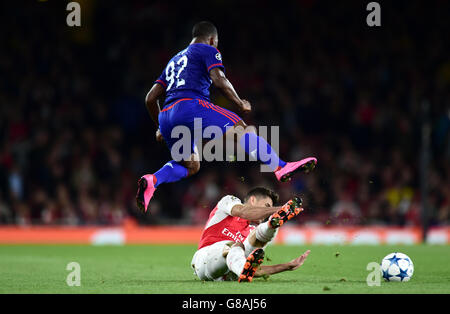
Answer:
(222, 226)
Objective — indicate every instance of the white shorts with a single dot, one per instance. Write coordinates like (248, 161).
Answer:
(208, 262)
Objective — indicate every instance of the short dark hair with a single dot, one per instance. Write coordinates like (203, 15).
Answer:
(259, 192)
(204, 29)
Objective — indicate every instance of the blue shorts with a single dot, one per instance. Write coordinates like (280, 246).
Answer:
(195, 115)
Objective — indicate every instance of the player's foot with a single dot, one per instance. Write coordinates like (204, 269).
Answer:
(306, 165)
(146, 188)
(288, 211)
(251, 264)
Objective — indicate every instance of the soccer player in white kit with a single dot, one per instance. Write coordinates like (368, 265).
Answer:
(233, 240)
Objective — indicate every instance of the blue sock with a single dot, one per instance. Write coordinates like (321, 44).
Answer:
(170, 172)
(257, 147)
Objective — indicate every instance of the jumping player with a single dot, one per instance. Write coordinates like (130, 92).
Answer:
(185, 83)
(231, 248)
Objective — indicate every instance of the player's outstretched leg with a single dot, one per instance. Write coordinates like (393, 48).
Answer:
(257, 147)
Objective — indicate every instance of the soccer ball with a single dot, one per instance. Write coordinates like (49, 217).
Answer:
(397, 267)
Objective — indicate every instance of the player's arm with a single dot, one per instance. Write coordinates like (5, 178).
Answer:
(224, 85)
(152, 102)
(253, 213)
(267, 270)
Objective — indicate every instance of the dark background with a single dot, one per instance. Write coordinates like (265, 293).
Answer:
(75, 135)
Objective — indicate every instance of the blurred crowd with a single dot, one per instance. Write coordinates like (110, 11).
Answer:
(75, 135)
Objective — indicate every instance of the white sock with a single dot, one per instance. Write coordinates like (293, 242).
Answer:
(248, 247)
(264, 233)
(236, 260)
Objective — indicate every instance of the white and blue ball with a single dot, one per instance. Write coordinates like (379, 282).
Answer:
(397, 267)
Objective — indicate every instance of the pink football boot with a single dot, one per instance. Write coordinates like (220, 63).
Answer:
(284, 174)
(146, 188)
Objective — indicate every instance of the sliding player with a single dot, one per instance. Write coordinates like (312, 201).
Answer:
(185, 83)
(232, 248)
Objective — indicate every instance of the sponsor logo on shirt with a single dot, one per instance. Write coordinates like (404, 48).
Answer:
(238, 237)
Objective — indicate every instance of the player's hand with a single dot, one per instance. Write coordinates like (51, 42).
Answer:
(297, 262)
(246, 106)
(159, 137)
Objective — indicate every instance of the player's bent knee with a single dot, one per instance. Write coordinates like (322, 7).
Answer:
(196, 167)
(248, 129)
(240, 123)
(193, 166)
(240, 129)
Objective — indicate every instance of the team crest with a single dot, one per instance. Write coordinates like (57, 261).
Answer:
(219, 56)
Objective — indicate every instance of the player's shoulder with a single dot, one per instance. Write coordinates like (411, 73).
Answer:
(178, 55)
(230, 198)
(227, 202)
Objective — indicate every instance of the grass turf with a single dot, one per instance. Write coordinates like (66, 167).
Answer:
(166, 269)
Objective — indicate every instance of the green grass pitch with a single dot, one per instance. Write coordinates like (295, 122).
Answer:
(165, 269)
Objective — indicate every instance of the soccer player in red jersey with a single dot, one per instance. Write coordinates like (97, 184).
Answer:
(233, 240)
(185, 83)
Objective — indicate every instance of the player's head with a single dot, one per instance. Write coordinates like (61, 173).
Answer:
(206, 32)
(261, 196)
